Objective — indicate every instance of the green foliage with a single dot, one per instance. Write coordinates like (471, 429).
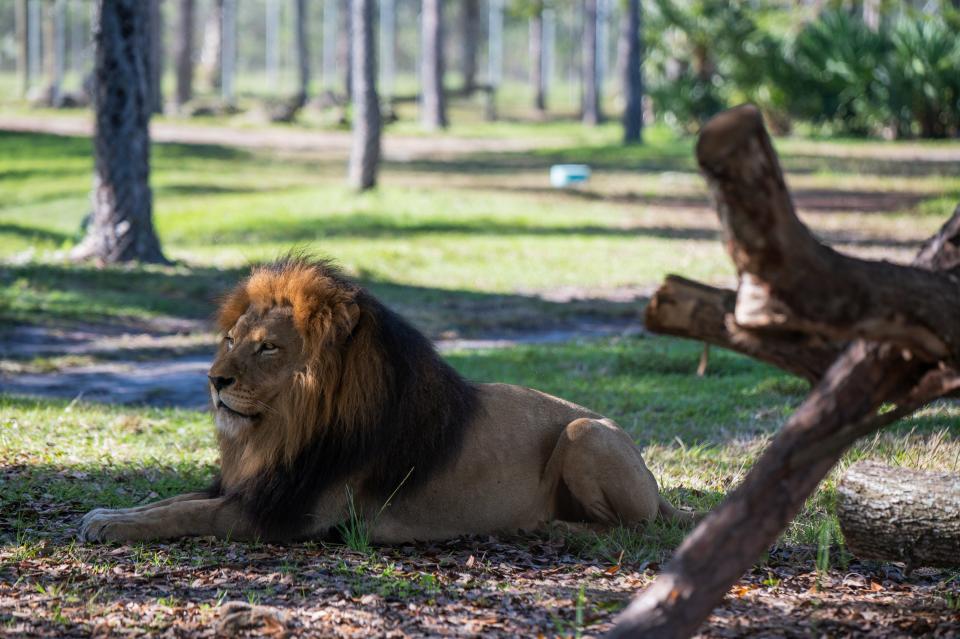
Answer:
(834, 71)
(698, 52)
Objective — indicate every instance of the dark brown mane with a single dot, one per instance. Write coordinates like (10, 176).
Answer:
(375, 398)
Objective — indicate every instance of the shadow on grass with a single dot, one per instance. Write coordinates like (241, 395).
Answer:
(674, 156)
(49, 293)
(33, 233)
(367, 225)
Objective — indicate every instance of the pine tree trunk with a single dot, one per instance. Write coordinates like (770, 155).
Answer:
(303, 53)
(228, 51)
(365, 154)
(211, 54)
(631, 53)
(433, 111)
(155, 66)
(470, 34)
(345, 46)
(184, 52)
(591, 114)
(23, 51)
(54, 42)
(536, 59)
(121, 226)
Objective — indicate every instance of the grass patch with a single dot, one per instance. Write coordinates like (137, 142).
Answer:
(699, 435)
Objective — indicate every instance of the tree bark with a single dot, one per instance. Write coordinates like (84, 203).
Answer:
(121, 225)
(631, 52)
(184, 52)
(211, 53)
(684, 308)
(790, 281)
(897, 514)
(228, 50)
(536, 59)
(23, 49)
(345, 47)
(155, 67)
(303, 53)
(740, 165)
(54, 43)
(470, 34)
(433, 109)
(591, 111)
(365, 153)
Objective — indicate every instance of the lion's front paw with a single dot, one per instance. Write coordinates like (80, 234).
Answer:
(104, 524)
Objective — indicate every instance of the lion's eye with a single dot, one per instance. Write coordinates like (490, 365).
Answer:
(229, 342)
(268, 347)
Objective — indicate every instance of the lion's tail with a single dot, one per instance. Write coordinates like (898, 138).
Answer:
(671, 514)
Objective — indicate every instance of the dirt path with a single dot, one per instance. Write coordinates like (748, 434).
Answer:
(168, 366)
(396, 148)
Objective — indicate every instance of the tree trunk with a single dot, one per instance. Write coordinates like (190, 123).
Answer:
(536, 59)
(470, 32)
(121, 225)
(631, 54)
(23, 49)
(303, 53)
(155, 81)
(591, 112)
(775, 254)
(897, 514)
(871, 14)
(184, 53)
(365, 153)
(433, 110)
(228, 51)
(345, 46)
(211, 54)
(271, 44)
(54, 42)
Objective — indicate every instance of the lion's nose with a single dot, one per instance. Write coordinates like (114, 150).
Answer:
(220, 382)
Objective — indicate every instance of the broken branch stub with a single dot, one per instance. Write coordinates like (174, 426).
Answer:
(685, 308)
(790, 281)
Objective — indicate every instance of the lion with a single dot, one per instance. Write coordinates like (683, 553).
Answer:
(327, 403)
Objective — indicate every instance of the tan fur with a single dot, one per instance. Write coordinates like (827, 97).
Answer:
(526, 458)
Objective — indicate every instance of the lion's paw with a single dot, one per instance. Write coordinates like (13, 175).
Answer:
(101, 524)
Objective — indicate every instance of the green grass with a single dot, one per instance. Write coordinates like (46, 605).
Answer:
(481, 224)
(473, 244)
(699, 435)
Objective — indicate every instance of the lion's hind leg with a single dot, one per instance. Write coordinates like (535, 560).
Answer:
(603, 470)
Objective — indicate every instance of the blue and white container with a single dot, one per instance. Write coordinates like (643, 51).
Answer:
(566, 175)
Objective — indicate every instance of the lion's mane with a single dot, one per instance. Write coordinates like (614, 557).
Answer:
(374, 396)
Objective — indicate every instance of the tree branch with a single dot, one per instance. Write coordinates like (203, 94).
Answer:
(789, 281)
(685, 308)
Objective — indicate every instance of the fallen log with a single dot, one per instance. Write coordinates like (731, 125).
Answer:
(790, 282)
(898, 514)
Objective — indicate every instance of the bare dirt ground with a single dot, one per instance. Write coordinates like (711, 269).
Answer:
(397, 148)
(165, 362)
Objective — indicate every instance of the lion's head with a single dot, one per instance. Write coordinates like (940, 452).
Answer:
(315, 379)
